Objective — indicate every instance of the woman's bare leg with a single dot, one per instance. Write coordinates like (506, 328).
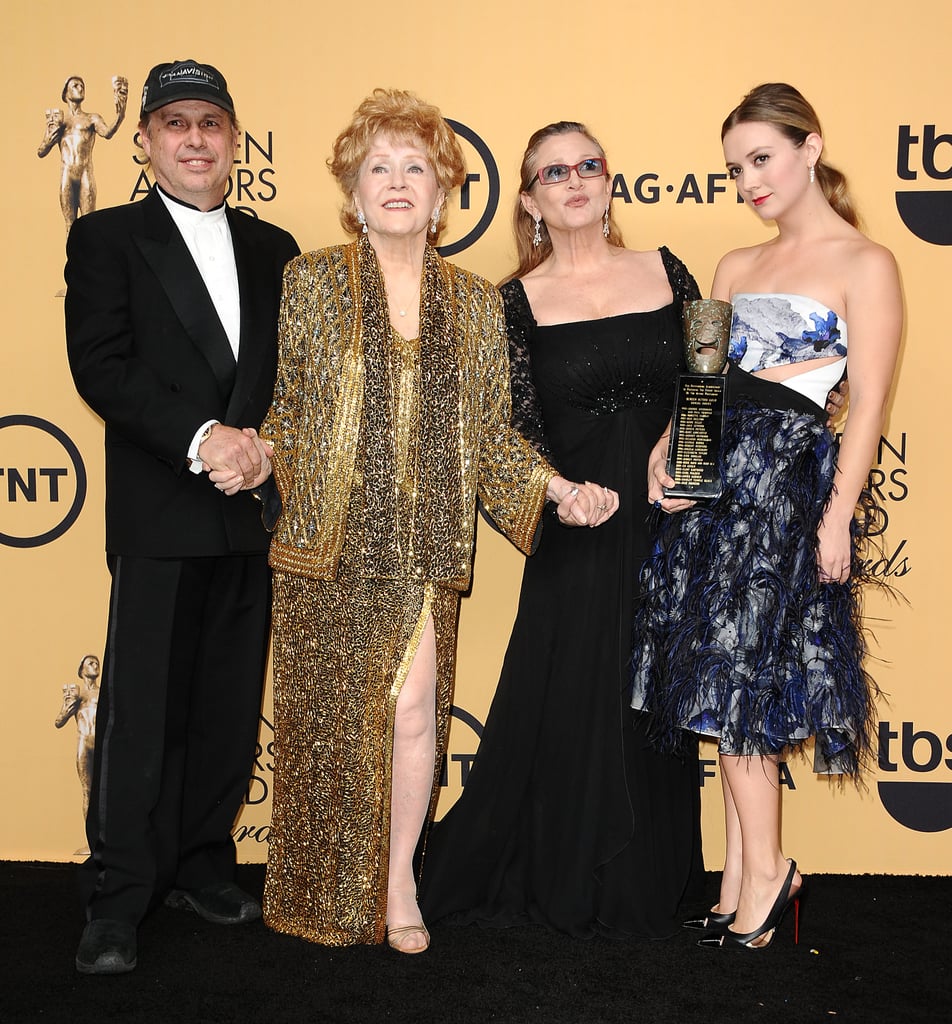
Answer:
(733, 859)
(414, 753)
(755, 792)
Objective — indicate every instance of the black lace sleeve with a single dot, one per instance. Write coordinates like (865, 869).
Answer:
(682, 282)
(526, 407)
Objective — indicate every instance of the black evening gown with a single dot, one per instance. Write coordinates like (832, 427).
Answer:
(569, 817)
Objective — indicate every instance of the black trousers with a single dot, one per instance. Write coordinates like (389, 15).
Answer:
(176, 727)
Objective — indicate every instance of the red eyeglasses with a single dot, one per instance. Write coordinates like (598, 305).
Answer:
(593, 167)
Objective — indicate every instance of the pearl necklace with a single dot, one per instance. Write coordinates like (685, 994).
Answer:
(404, 312)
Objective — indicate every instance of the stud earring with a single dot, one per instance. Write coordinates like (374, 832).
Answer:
(537, 237)
(812, 174)
(361, 219)
(605, 227)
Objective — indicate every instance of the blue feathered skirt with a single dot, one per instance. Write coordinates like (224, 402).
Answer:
(735, 638)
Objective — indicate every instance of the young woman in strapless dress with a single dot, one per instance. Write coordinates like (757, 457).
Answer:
(750, 628)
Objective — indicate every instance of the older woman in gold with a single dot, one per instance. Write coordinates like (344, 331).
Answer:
(390, 415)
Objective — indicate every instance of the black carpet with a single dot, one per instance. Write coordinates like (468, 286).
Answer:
(872, 949)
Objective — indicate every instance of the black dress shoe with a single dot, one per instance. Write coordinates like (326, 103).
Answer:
(220, 903)
(761, 937)
(107, 947)
(714, 922)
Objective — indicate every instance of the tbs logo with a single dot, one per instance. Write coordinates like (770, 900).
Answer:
(927, 213)
(920, 806)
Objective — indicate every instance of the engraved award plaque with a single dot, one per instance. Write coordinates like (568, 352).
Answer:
(700, 402)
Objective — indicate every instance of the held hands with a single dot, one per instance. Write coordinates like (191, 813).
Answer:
(236, 460)
(584, 504)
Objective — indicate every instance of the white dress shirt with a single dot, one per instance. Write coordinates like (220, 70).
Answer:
(209, 241)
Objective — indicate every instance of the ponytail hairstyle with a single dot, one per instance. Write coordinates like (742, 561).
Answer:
(782, 106)
(523, 226)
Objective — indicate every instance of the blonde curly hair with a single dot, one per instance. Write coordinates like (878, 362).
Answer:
(403, 117)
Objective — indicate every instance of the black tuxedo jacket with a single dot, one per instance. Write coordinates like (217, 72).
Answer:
(150, 356)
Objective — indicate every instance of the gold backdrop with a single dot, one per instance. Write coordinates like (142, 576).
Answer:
(653, 82)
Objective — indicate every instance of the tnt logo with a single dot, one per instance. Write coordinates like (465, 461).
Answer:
(478, 195)
(927, 213)
(466, 730)
(42, 482)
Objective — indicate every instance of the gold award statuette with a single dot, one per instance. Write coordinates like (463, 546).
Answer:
(700, 402)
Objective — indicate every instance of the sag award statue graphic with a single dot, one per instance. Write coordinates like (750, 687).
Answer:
(80, 701)
(74, 132)
(699, 402)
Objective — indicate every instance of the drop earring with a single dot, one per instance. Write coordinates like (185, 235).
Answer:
(537, 237)
(362, 220)
(605, 226)
(435, 221)
(812, 174)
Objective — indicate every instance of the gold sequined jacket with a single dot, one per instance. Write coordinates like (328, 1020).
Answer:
(344, 440)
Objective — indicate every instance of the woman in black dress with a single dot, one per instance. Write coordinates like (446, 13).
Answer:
(569, 819)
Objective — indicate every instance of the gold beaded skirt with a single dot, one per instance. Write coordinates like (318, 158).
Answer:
(341, 651)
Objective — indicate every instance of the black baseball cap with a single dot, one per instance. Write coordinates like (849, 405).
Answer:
(185, 80)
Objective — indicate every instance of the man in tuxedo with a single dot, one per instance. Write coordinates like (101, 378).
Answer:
(171, 322)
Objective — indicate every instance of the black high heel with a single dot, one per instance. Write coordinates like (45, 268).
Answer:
(714, 922)
(735, 940)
